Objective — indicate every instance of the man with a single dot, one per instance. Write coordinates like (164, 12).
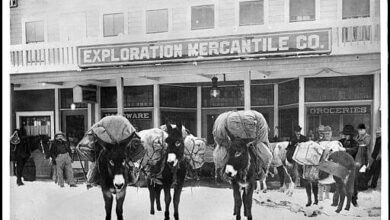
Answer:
(375, 167)
(351, 146)
(364, 141)
(294, 140)
(60, 155)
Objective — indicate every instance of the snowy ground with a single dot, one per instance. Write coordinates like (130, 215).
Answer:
(43, 200)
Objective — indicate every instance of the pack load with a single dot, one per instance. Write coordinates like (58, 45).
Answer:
(194, 151)
(109, 132)
(308, 153)
(154, 142)
(242, 124)
(278, 150)
(311, 173)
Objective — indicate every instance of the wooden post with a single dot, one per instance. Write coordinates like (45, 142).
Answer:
(301, 104)
(156, 106)
(98, 104)
(276, 106)
(119, 91)
(247, 91)
(57, 119)
(376, 114)
(199, 111)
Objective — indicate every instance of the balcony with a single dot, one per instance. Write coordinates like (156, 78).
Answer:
(348, 37)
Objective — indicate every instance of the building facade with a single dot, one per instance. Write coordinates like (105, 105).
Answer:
(306, 62)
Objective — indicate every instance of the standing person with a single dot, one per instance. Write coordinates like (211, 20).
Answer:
(364, 141)
(325, 134)
(351, 146)
(60, 154)
(374, 169)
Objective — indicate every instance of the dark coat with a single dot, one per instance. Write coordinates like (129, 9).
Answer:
(377, 148)
(294, 140)
(351, 146)
(58, 146)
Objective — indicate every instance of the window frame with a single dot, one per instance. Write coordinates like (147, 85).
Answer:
(204, 5)
(113, 14)
(316, 12)
(113, 11)
(370, 8)
(34, 19)
(146, 21)
(251, 1)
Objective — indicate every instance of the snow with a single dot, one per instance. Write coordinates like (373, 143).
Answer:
(41, 200)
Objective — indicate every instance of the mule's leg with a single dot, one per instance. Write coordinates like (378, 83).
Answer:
(248, 202)
(120, 198)
(152, 194)
(107, 203)
(315, 192)
(158, 189)
(167, 195)
(349, 197)
(308, 192)
(237, 200)
(244, 200)
(336, 196)
(176, 200)
(342, 191)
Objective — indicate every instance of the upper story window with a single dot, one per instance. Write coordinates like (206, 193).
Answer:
(202, 17)
(302, 10)
(157, 21)
(113, 24)
(356, 8)
(35, 32)
(252, 12)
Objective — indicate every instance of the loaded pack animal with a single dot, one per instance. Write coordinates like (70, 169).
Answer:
(174, 168)
(21, 148)
(242, 169)
(344, 164)
(114, 157)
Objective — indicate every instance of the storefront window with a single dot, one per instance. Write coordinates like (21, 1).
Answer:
(229, 96)
(262, 95)
(36, 125)
(67, 99)
(108, 97)
(176, 96)
(289, 92)
(288, 118)
(133, 96)
(188, 119)
(34, 100)
(339, 88)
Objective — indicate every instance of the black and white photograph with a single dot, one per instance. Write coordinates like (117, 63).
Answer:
(195, 110)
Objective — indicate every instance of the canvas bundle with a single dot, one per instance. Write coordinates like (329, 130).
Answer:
(242, 124)
(311, 172)
(154, 142)
(278, 153)
(263, 155)
(308, 153)
(194, 151)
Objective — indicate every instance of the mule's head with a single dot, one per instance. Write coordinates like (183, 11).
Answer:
(116, 166)
(175, 143)
(238, 155)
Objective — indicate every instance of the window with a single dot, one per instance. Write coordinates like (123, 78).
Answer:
(157, 21)
(262, 95)
(13, 3)
(289, 92)
(339, 88)
(356, 8)
(67, 99)
(302, 10)
(230, 96)
(138, 96)
(175, 96)
(356, 33)
(252, 12)
(113, 24)
(34, 32)
(202, 17)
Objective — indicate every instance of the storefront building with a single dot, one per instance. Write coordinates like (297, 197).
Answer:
(306, 62)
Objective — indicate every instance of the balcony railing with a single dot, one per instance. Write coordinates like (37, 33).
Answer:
(348, 37)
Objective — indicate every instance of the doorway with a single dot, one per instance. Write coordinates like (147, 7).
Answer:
(74, 125)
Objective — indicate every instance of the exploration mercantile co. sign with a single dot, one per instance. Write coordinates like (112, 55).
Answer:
(252, 45)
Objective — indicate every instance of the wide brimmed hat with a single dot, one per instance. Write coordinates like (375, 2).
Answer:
(58, 134)
(348, 130)
(297, 128)
(361, 126)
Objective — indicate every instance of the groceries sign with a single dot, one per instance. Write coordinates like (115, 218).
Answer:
(251, 45)
(355, 109)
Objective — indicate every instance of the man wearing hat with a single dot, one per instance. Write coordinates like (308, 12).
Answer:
(60, 154)
(364, 141)
(351, 146)
(374, 169)
(294, 140)
(298, 137)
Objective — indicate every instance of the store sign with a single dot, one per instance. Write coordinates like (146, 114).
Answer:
(360, 109)
(132, 115)
(250, 45)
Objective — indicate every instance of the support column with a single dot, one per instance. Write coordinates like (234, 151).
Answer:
(119, 93)
(156, 105)
(247, 91)
(376, 114)
(98, 104)
(301, 104)
(57, 119)
(276, 106)
(13, 113)
(199, 111)
(89, 116)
